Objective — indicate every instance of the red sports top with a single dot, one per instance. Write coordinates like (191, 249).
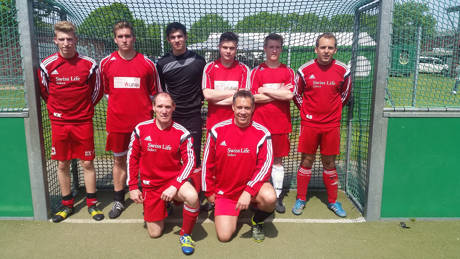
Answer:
(236, 159)
(163, 157)
(129, 86)
(321, 92)
(70, 87)
(217, 76)
(275, 115)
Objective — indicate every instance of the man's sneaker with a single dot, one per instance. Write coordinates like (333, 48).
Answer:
(279, 207)
(258, 232)
(337, 209)
(187, 244)
(96, 213)
(298, 207)
(62, 214)
(117, 208)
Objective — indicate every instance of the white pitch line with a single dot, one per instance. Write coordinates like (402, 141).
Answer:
(206, 221)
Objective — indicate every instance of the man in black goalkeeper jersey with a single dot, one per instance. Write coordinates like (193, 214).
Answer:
(180, 73)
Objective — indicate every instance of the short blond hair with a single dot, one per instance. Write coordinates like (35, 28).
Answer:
(123, 25)
(64, 26)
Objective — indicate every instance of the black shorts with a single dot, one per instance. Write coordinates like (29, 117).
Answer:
(193, 124)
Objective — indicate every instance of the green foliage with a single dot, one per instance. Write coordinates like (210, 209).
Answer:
(8, 23)
(206, 25)
(407, 17)
(342, 23)
(99, 22)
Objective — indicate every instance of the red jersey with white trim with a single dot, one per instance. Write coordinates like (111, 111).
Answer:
(236, 159)
(70, 87)
(321, 93)
(163, 157)
(217, 76)
(129, 86)
(275, 115)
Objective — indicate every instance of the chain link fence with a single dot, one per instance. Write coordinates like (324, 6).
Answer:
(12, 95)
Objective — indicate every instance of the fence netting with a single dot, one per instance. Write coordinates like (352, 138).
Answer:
(425, 52)
(299, 22)
(12, 95)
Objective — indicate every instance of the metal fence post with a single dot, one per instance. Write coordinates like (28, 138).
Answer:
(32, 123)
(378, 131)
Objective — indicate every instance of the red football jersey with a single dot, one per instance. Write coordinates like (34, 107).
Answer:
(275, 115)
(161, 156)
(217, 76)
(236, 159)
(321, 93)
(70, 87)
(129, 86)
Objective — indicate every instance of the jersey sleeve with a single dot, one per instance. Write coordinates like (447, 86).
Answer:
(264, 164)
(161, 77)
(209, 163)
(254, 81)
(206, 82)
(43, 83)
(133, 157)
(298, 91)
(95, 84)
(245, 81)
(290, 80)
(188, 161)
(153, 85)
(104, 81)
(345, 89)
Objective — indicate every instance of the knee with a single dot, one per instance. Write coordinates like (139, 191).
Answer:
(155, 233)
(308, 162)
(120, 161)
(328, 165)
(87, 165)
(63, 165)
(224, 236)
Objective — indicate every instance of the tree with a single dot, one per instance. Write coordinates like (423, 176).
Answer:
(206, 25)
(407, 17)
(100, 21)
(342, 23)
(263, 22)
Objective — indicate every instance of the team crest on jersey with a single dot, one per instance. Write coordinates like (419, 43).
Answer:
(312, 77)
(148, 138)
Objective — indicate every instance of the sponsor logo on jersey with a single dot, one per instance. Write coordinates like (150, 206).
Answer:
(235, 151)
(57, 115)
(148, 138)
(154, 147)
(127, 82)
(223, 143)
(146, 182)
(53, 151)
(273, 85)
(226, 85)
(55, 72)
(67, 79)
(88, 153)
(312, 77)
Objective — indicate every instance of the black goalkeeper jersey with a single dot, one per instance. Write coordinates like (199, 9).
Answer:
(181, 76)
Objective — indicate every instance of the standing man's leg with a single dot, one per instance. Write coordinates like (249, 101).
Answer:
(280, 149)
(303, 179)
(90, 185)
(67, 202)
(119, 180)
(266, 202)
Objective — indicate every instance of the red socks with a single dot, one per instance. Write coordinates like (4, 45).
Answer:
(189, 216)
(303, 178)
(331, 181)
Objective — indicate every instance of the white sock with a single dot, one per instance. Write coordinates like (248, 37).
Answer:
(277, 179)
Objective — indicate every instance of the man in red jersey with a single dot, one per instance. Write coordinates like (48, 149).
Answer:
(237, 163)
(69, 84)
(323, 87)
(272, 84)
(162, 152)
(222, 78)
(130, 80)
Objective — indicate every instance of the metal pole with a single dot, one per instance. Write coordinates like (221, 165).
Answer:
(379, 124)
(417, 60)
(32, 124)
(354, 60)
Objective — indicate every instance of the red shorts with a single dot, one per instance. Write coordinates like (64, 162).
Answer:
(281, 145)
(69, 141)
(328, 139)
(118, 143)
(154, 206)
(226, 207)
